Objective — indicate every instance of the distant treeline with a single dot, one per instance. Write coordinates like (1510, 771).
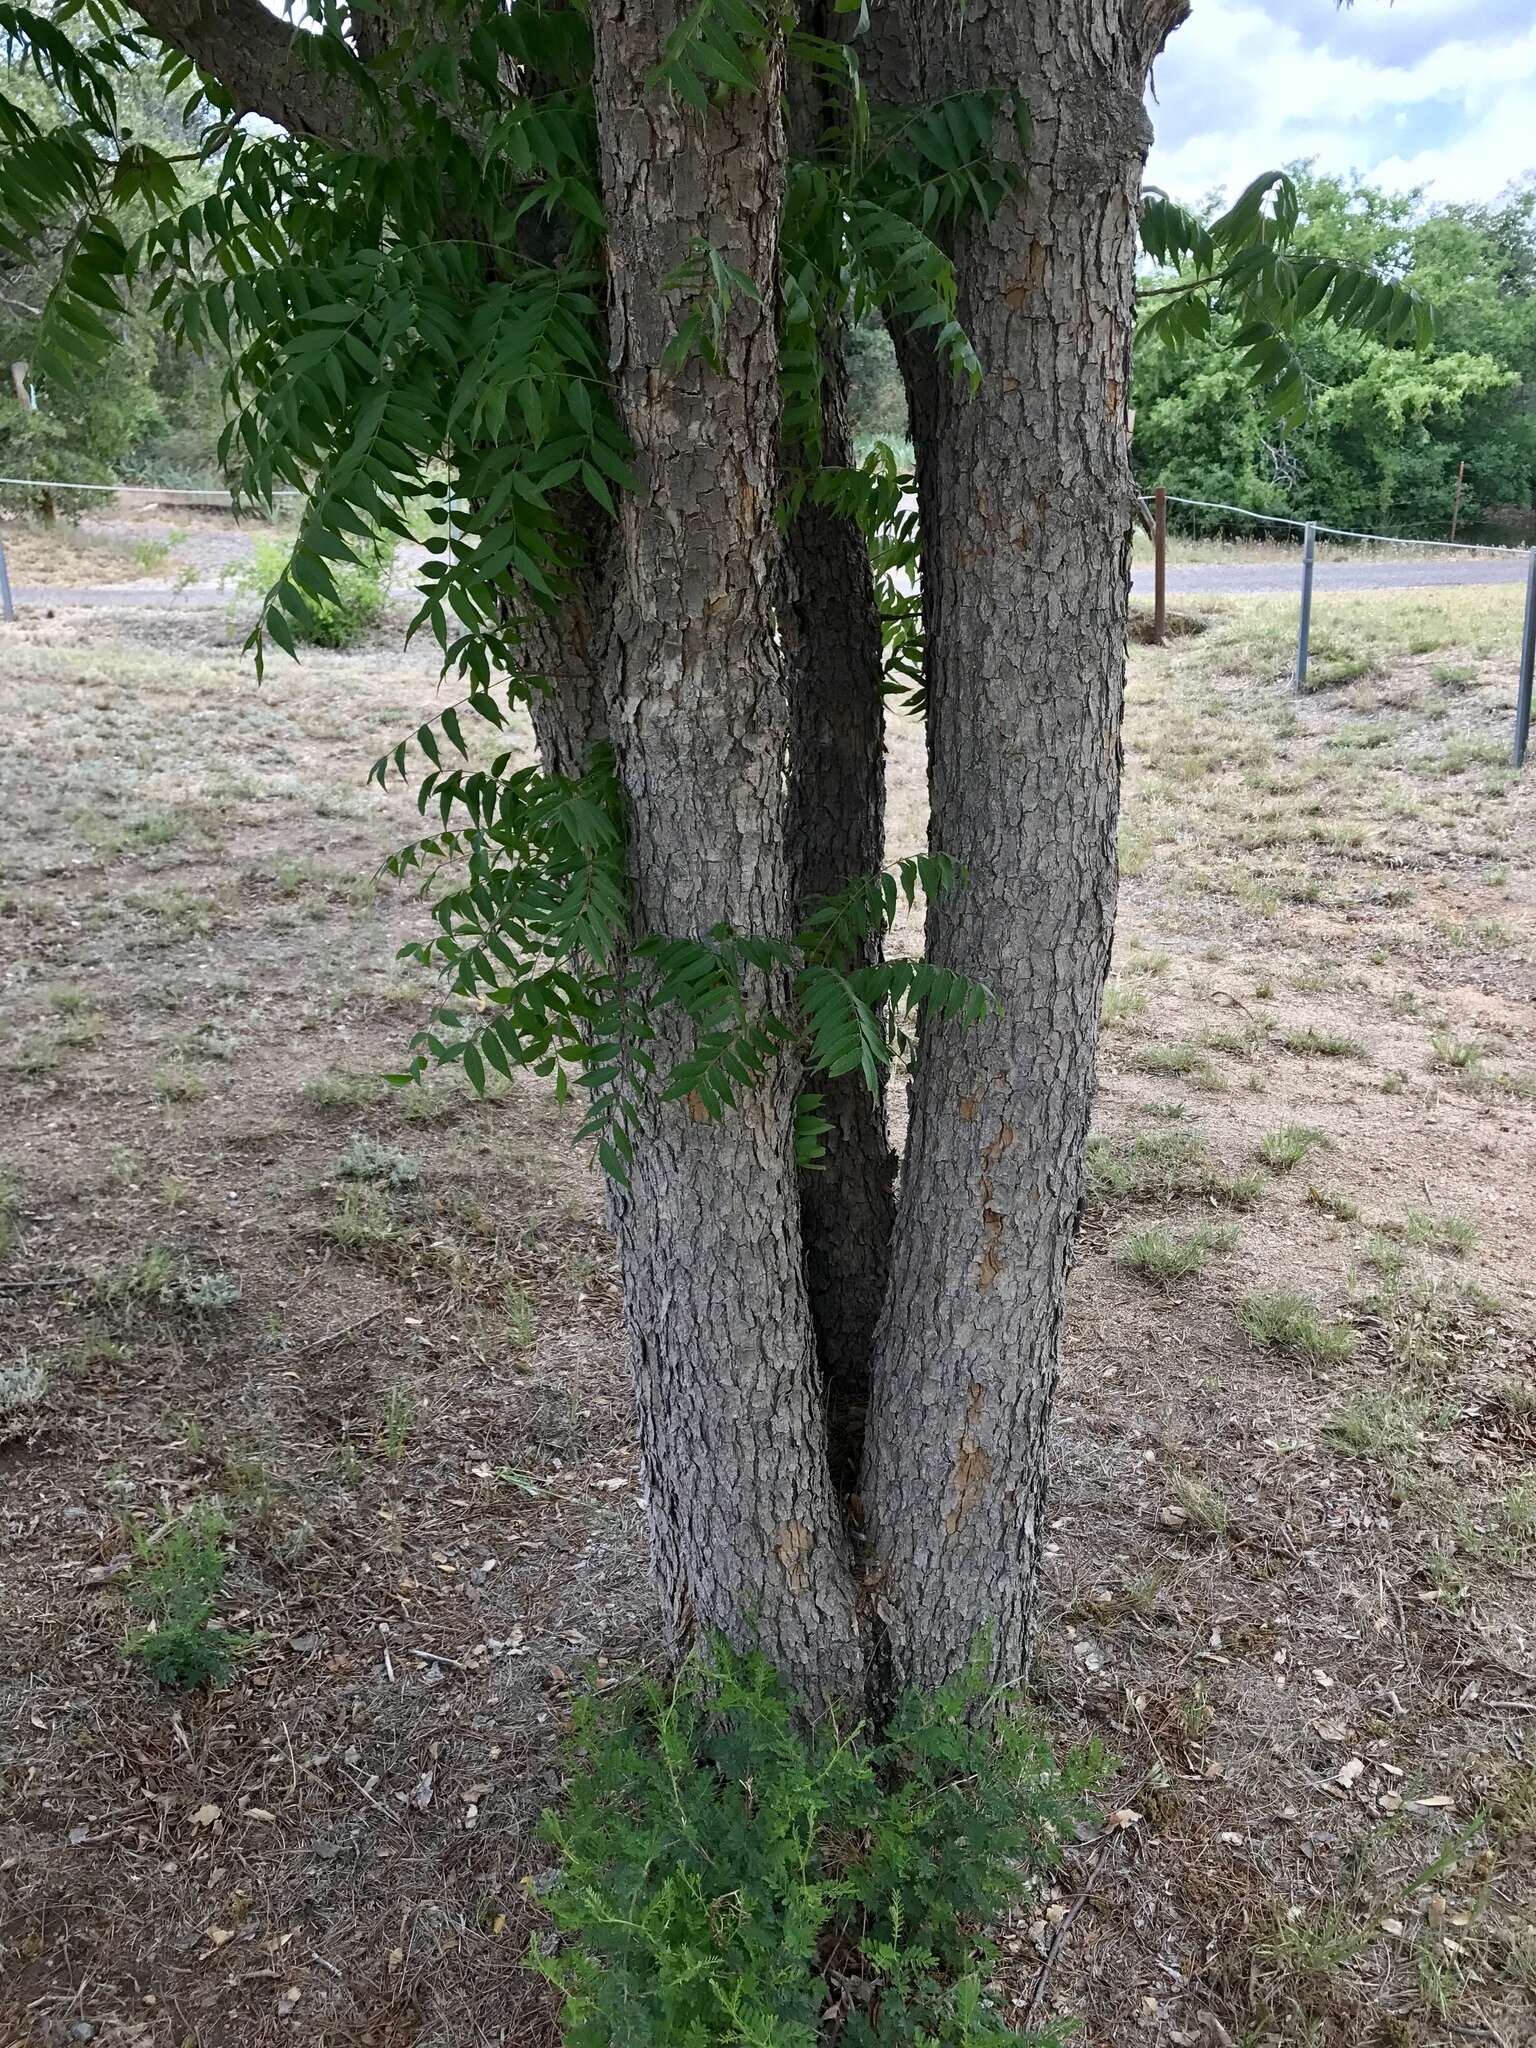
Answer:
(1386, 428)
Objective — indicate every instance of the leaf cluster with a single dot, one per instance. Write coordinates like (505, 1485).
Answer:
(1244, 265)
(543, 970)
(730, 1876)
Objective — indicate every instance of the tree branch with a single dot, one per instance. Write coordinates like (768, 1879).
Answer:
(266, 67)
(1155, 21)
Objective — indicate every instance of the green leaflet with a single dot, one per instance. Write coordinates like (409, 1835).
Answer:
(1241, 264)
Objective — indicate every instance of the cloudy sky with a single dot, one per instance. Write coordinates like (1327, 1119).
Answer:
(1440, 93)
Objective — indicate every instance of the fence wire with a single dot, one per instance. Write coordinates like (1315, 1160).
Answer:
(1310, 530)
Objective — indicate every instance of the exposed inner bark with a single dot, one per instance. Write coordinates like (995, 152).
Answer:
(745, 1526)
(1025, 501)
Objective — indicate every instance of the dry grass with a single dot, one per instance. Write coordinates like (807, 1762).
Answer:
(379, 1335)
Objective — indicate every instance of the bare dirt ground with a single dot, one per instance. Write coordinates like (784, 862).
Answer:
(1295, 1508)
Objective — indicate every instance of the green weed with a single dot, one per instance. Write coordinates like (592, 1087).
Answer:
(177, 1585)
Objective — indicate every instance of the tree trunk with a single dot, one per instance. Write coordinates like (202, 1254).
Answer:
(1025, 502)
(572, 650)
(831, 633)
(745, 1527)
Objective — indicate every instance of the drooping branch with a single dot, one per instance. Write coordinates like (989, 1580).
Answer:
(304, 83)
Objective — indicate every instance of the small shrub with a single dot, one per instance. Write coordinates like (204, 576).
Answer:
(1285, 1148)
(204, 1293)
(1462, 1055)
(717, 1857)
(177, 1586)
(1291, 1324)
(1164, 1256)
(371, 1159)
(362, 593)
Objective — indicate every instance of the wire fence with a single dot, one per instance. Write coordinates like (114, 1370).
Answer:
(42, 483)
(1387, 540)
(1311, 531)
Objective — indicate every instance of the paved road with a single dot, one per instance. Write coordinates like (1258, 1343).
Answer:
(1185, 579)
(1190, 579)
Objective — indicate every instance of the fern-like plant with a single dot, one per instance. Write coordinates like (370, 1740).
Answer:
(730, 1876)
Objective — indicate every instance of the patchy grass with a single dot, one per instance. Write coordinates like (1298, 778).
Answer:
(1292, 1324)
(1163, 1257)
(1187, 1062)
(1286, 1148)
(1453, 1235)
(1308, 1042)
(1275, 1556)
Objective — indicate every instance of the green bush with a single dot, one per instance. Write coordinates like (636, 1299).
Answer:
(362, 592)
(730, 1878)
(179, 1580)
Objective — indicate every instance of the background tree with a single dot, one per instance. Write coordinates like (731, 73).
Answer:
(148, 406)
(581, 268)
(1384, 432)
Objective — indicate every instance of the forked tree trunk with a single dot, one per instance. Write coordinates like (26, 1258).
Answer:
(1025, 498)
(831, 633)
(745, 1527)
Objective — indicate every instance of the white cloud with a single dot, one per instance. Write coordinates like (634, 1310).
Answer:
(1403, 95)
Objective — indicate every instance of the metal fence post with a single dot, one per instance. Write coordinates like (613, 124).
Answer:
(7, 608)
(1160, 573)
(1527, 665)
(1304, 638)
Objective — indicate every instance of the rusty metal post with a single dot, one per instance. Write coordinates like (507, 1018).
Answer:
(1461, 484)
(1160, 574)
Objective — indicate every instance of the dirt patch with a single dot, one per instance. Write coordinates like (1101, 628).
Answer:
(1290, 1588)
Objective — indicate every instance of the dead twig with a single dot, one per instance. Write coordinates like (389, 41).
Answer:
(1107, 1844)
(335, 1336)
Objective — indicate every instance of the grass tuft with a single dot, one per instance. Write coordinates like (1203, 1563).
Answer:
(1285, 1148)
(1163, 1257)
(1289, 1323)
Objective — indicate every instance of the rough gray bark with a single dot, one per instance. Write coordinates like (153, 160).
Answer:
(1025, 504)
(573, 650)
(831, 633)
(745, 1528)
